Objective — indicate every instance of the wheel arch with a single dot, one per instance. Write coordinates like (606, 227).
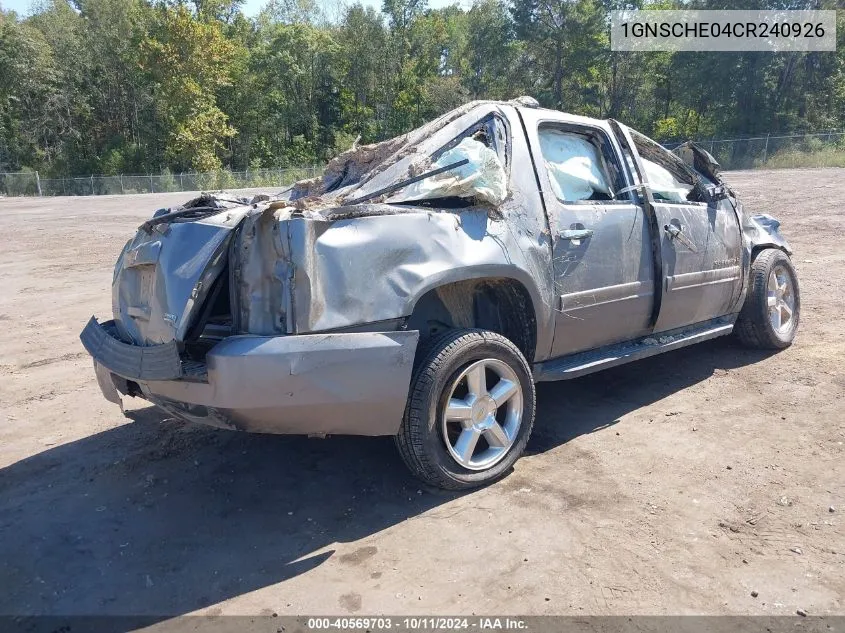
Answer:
(500, 303)
(764, 246)
(753, 326)
(764, 232)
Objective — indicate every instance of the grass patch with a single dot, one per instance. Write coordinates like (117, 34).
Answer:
(828, 156)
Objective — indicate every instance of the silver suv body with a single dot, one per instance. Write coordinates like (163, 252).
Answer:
(578, 242)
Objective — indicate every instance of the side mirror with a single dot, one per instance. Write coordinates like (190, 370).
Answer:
(719, 192)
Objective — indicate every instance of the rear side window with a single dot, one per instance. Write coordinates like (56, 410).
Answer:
(577, 164)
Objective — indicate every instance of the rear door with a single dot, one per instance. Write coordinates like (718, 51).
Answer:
(700, 244)
(602, 261)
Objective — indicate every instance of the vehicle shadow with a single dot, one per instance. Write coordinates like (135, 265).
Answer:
(567, 409)
(161, 518)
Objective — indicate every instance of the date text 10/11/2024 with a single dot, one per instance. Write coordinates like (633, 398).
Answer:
(417, 623)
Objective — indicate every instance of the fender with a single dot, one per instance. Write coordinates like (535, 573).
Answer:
(764, 232)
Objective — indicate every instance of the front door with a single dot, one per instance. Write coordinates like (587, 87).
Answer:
(701, 245)
(602, 258)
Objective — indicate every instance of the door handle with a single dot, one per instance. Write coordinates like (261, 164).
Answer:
(575, 234)
(672, 229)
(676, 232)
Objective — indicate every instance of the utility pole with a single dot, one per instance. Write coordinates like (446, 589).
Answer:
(38, 183)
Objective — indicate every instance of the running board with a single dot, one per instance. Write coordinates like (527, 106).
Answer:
(605, 357)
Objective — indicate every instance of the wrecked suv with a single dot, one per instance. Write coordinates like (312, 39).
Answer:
(422, 285)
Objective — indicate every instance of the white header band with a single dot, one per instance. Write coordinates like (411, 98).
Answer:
(773, 31)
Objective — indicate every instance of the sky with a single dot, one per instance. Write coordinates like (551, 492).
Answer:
(250, 7)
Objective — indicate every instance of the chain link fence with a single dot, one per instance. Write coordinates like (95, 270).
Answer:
(32, 184)
(820, 149)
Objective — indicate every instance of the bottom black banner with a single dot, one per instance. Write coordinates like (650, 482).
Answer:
(423, 624)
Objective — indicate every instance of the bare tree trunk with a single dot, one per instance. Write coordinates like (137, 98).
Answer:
(558, 77)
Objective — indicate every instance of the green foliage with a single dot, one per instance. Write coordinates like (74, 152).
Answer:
(187, 61)
(28, 77)
(137, 86)
(167, 181)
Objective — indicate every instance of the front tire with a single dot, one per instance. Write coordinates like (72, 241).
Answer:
(470, 410)
(769, 317)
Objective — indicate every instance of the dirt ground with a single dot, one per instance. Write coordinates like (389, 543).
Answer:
(676, 485)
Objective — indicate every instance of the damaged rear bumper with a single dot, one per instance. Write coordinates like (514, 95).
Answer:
(346, 383)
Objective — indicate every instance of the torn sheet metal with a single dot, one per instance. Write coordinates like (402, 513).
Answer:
(385, 263)
(301, 261)
(320, 265)
(164, 275)
(415, 154)
(352, 171)
(260, 282)
(342, 261)
(763, 231)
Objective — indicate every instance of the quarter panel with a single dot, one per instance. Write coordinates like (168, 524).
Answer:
(376, 266)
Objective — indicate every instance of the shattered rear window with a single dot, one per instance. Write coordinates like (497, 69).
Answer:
(475, 168)
(481, 176)
(399, 170)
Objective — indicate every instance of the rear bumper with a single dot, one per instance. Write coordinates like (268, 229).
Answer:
(355, 383)
(154, 362)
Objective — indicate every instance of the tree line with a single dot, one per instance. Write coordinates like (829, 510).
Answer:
(139, 86)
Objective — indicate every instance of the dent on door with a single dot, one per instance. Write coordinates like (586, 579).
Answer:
(699, 242)
(602, 276)
(601, 254)
(701, 249)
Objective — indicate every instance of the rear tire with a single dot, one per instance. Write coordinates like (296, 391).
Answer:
(470, 410)
(770, 315)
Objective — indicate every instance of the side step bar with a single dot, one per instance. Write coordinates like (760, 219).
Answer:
(605, 357)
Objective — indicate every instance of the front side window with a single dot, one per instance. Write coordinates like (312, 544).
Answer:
(665, 173)
(577, 165)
